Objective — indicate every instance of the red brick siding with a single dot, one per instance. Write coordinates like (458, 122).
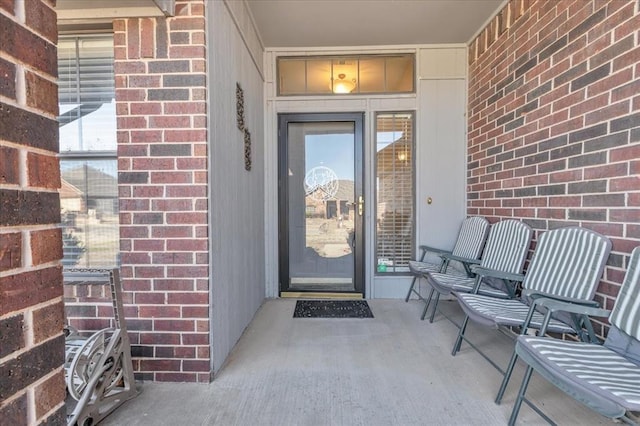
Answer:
(554, 121)
(162, 163)
(88, 306)
(31, 312)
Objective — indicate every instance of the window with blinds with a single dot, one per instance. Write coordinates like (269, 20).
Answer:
(88, 161)
(394, 191)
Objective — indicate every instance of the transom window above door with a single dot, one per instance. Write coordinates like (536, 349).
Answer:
(344, 75)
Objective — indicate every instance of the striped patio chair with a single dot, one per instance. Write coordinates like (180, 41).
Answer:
(606, 378)
(471, 238)
(499, 271)
(567, 265)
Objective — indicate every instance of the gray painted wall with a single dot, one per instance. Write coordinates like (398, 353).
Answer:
(441, 161)
(237, 196)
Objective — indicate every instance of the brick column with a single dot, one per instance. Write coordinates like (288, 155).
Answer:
(162, 163)
(31, 311)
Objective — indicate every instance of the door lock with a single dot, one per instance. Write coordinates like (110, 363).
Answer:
(429, 200)
(360, 205)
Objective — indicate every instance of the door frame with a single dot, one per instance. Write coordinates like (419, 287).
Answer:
(358, 118)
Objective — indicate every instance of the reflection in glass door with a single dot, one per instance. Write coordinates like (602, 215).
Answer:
(321, 204)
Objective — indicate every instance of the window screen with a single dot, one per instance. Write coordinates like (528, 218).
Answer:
(88, 163)
(394, 191)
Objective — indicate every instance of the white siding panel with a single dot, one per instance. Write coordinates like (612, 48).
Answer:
(441, 161)
(247, 31)
(237, 196)
(446, 63)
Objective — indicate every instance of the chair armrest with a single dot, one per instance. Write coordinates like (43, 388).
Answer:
(568, 300)
(434, 250)
(484, 272)
(426, 249)
(555, 305)
(578, 309)
(467, 263)
(460, 259)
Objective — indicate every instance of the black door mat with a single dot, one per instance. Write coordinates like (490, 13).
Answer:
(332, 309)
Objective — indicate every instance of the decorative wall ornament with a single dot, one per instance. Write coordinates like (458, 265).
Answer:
(247, 149)
(242, 127)
(240, 107)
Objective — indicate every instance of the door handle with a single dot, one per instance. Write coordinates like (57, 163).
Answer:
(360, 205)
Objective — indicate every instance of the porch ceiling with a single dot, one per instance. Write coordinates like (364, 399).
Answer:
(317, 23)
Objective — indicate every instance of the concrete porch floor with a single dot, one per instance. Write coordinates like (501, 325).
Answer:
(390, 370)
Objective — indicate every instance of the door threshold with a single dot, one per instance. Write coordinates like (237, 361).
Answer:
(319, 295)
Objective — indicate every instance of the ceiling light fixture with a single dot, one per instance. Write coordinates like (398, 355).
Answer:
(340, 85)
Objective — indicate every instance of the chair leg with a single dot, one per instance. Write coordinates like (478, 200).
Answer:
(427, 302)
(413, 283)
(456, 346)
(435, 307)
(520, 398)
(507, 376)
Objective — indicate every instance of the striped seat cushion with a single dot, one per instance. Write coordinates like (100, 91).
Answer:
(577, 366)
(512, 312)
(419, 268)
(507, 246)
(471, 238)
(568, 262)
(469, 244)
(505, 251)
(446, 283)
(626, 311)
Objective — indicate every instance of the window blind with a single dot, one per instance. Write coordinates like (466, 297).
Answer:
(88, 161)
(394, 191)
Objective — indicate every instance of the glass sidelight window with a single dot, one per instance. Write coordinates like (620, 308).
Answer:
(395, 219)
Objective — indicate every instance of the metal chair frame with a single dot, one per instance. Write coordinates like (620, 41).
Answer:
(98, 369)
(446, 257)
(621, 342)
(575, 323)
(507, 271)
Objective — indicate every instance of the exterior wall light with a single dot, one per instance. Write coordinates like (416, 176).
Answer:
(340, 85)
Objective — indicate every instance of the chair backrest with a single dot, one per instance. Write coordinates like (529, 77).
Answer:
(507, 246)
(471, 238)
(568, 262)
(626, 311)
(624, 334)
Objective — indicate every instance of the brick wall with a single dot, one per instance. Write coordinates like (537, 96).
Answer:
(88, 306)
(162, 164)
(554, 121)
(31, 312)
